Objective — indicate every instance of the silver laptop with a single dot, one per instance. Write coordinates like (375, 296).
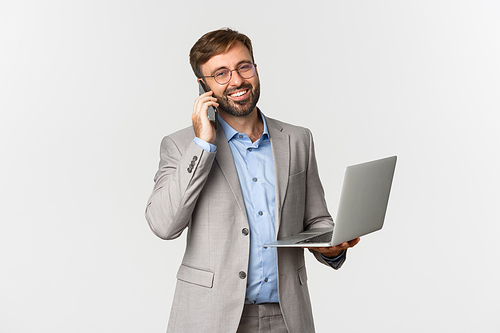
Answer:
(362, 207)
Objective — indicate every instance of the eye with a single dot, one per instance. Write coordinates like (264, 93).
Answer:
(245, 67)
(221, 73)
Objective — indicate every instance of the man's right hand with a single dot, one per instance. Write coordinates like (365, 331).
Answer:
(203, 128)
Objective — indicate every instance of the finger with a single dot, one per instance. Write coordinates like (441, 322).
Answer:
(200, 102)
(354, 242)
(342, 246)
(203, 128)
(206, 97)
(203, 96)
(208, 93)
(200, 109)
(202, 99)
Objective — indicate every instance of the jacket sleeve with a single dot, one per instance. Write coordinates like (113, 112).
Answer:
(316, 212)
(182, 174)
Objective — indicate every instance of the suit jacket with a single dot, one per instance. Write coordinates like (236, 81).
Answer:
(201, 191)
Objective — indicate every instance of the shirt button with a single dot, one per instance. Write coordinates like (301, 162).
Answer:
(249, 149)
(261, 213)
(242, 275)
(265, 280)
(240, 136)
(244, 231)
(254, 179)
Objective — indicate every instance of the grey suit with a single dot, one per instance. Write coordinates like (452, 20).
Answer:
(201, 191)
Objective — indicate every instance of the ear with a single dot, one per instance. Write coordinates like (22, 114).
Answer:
(205, 85)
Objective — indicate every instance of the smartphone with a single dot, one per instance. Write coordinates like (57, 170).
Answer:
(213, 115)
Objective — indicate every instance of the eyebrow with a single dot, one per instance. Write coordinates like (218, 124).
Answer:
(237, 65)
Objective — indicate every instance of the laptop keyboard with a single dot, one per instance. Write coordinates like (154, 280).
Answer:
(324, 238)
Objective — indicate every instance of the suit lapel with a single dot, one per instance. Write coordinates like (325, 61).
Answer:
(280, 144)
(224, 159)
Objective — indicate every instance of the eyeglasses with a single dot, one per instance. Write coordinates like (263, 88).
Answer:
(222, 76)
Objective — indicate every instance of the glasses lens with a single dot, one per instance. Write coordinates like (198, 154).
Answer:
(222, 76)
(246, 70)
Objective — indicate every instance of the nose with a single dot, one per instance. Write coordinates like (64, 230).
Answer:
(236, 78)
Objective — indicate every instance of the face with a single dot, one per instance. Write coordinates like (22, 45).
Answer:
(239, 96)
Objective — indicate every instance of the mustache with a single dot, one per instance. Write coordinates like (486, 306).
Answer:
(243, 86)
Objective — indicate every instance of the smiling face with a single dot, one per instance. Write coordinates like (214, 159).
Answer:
(239, 96)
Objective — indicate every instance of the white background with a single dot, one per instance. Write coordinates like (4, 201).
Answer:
(89, 88)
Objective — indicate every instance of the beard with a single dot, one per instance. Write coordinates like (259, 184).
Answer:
(240, 108)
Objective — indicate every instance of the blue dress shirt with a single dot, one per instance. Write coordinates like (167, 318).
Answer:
(255, 168)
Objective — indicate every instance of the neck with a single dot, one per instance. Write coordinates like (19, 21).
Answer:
(252, 124)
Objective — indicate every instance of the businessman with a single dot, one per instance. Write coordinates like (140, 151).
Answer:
(252, 180)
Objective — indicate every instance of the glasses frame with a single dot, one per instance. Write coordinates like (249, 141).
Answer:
(231, 73)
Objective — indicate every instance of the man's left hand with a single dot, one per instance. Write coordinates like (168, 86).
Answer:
(334, 251)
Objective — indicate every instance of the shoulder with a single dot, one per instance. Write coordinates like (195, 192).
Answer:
(295, 132)
(181, 139)
(183, 134)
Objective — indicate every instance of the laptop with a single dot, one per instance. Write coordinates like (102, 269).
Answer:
(362, 207)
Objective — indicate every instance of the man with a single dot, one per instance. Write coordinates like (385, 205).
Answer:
(252, 180)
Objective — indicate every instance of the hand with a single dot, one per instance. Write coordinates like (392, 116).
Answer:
(203, 128)
(335, 250)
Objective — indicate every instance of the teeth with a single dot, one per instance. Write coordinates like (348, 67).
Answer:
(238, 94)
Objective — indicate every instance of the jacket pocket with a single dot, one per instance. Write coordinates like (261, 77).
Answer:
(302, 275)
(195, 276)
(298, 174)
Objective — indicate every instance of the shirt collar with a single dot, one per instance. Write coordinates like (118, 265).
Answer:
(230, 132)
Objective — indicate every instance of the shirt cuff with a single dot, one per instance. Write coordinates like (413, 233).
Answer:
(335, 262)
(205, 145)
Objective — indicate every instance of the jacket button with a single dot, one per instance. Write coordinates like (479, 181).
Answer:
(242, 275)
(244, 231)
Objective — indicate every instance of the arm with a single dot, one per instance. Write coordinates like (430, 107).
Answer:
(318, 216)
(178, 184)
(182, 174)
